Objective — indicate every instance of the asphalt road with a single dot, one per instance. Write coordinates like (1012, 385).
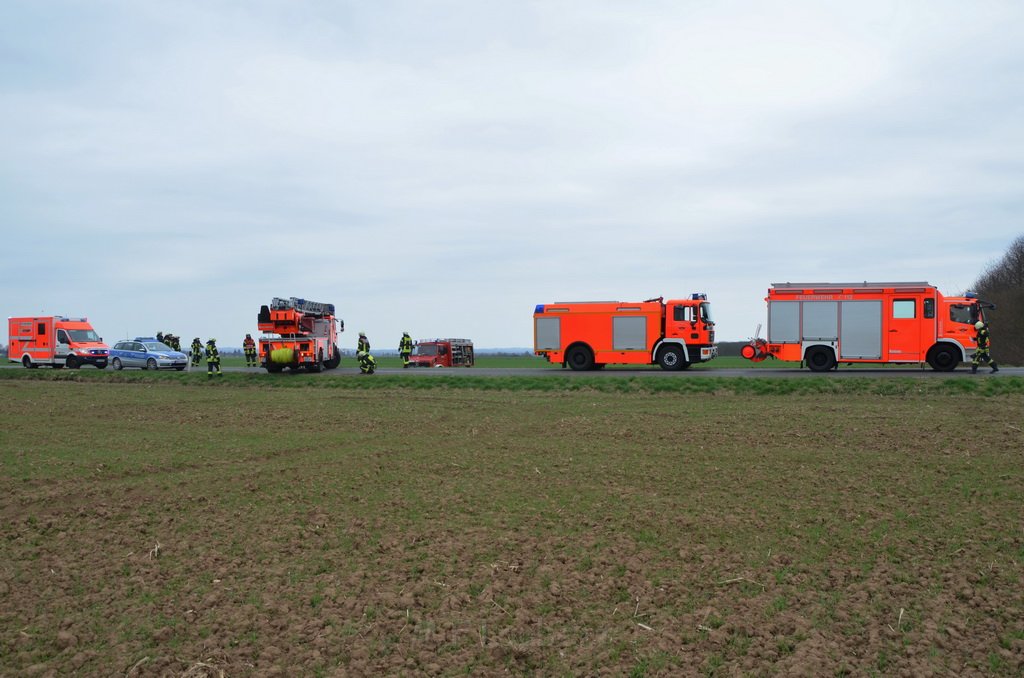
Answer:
(348, 369)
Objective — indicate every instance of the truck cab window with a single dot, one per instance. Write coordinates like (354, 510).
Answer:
(929, 308)
(682, 314)
(903, 308)
(959, 313)
(62, 337)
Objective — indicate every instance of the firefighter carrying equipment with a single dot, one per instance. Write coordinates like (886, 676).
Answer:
(197, 351)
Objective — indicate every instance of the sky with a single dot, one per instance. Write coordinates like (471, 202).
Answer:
(442, 166)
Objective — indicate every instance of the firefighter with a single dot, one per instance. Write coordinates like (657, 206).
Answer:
(367, 363)
(212, 358)
(249, 347)
(197, 351)
(982, 355)
(364, 343)
(405, 348)
(160, 337)
(173, 341)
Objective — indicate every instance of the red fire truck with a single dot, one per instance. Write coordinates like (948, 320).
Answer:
(823, 324)
(299, 334)
(591, 334)
(442, 353)
(55, 341)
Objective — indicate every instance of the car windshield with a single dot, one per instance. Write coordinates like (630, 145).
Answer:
(425, 349)
(83, 335)
(705, 312)
(156, 346)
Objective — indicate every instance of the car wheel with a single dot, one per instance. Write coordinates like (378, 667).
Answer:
(117, 364)
(151, 364)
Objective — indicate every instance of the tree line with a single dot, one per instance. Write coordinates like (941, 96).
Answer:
(1002, 283)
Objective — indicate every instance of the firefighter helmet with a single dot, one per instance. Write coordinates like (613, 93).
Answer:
(978, 325)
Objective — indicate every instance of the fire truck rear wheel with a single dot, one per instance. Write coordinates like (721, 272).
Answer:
(273, 368)
(943, 359)
(334, 361)
(820, 359)
(71, 362)
(579, 358)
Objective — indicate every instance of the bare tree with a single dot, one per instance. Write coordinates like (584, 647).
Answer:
(1002, 283)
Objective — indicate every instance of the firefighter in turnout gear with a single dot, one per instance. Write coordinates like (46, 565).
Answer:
(249, 348)
(405, 348)
(212, 358)
(196, 354)
(367, 364)
(982, 355)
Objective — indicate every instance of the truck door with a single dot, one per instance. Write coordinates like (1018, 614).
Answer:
(681, 322)
(904, 334)
(63, 347)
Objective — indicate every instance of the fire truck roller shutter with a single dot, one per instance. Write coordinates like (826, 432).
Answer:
(861, 330)
(548, 334)
(821, 321)
(629, 333)
(783, 322)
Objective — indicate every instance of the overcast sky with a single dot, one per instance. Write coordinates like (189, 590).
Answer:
(443, 166)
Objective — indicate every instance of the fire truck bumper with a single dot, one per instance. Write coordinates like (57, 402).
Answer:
(708, 352)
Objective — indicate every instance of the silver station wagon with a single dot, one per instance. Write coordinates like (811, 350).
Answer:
(147, 353)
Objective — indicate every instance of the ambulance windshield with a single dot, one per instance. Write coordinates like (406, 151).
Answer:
(83, 335)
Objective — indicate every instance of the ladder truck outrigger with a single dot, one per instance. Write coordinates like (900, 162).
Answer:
(299, 334)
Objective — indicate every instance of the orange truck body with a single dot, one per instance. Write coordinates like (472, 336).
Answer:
(442, 353)
(55, 341)
(591, 334)
(299, 334)
(823, 324)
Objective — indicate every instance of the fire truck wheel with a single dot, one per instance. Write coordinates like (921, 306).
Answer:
(117, 364)
(671, 358)
(273, 368)
(579, 358)
(151, 364)
(72, 362)
(317, 366)
(943, 359)
(334, 361)
(820, 359)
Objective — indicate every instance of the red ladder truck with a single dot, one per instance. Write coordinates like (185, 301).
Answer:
(299, 334)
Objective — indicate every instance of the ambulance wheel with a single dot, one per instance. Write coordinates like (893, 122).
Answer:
(71, 362)
(671, 358)
(151, 364)
(943, 359)
(579, 358)
(117, 364)
(27, 362)
(820, 359)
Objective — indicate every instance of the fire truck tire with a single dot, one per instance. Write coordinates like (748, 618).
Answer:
(117, 364)
(820, 359)
(943, 358)
(318, 365)
(273, 368)
(334, 361)
(151, 364)
(671, 358)
(579, 358)
(71, 362)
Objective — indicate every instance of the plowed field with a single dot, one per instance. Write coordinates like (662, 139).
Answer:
(169, 529)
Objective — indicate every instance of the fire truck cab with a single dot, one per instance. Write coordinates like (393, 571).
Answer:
(823, 324)
(442, 353)
(591, 334)
(55, 341)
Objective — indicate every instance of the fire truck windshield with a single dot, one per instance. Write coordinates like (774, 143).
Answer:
(83, 335)
(705, 312)
(425, 349)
